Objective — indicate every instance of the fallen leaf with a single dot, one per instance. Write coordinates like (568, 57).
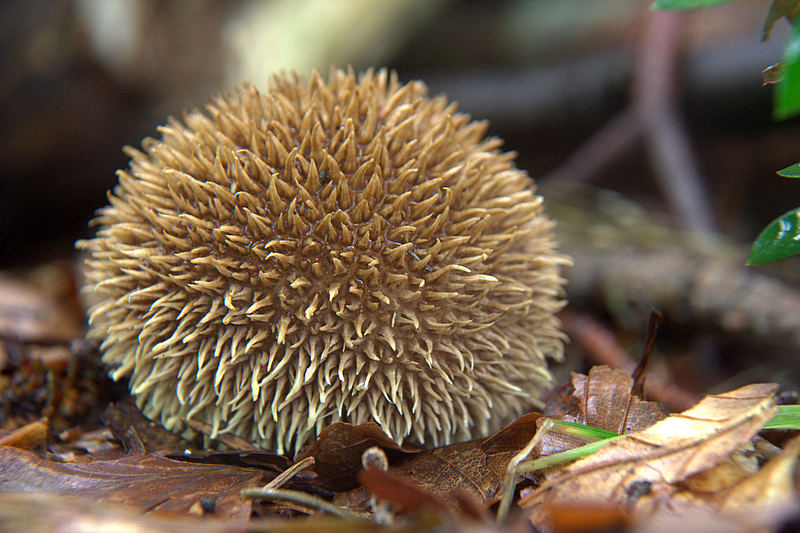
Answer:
(338, 449)
(467, 473)
(357, 500)
(607, 403)
(512, 438)
(23, 512)
(148, 482)
(566, 516)
(28, 314)
(405, 495)
(603, 400)
(772, 485)
(82, 447)
(138, 434)
(741, 464)
(661, 456)
(462, 467)
(28, 436)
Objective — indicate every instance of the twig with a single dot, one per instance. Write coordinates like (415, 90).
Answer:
(666, 138)
(281, 479)
(609, 142)
(603, 348)
(640, 372)
(653, 115)
(302, 498)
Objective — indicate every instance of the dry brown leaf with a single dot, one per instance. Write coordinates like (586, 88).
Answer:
(27, 314)
(759, 503)
(28, 436)
(510, 439)
(468, 472)
(577, 517)
(137, 433)
(772, 485)
(148, 482)
(82, 447)
(741, 464)
(405, 495)
(338, 449)
(603, 400)
(462, 467)
(607, 403)
(24, 512)
(649, 463)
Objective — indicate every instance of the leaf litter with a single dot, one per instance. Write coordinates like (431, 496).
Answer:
(707, 461)
(149, 483)
(661, 457)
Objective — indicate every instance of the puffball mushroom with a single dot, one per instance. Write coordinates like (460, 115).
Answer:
(344, 251)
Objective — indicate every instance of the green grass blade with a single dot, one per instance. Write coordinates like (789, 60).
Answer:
(687, 4)
(565, 457)
(582, 432)
(788, 417)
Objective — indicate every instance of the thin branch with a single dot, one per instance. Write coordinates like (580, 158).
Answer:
(607, 144)
(653, 115)
(602, 347)
(667, 140)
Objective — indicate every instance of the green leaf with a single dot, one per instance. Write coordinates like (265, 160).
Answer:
(778, 9)
(787, 92)
(792, 171)
(788, 417)
(779, 240)
(687, 4)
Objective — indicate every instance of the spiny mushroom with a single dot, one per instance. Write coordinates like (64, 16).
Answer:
(351, 250)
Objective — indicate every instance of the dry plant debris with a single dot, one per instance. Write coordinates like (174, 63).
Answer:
(149, 483)
(661, 459)
(28, 313)
(702, 460)
(711, 470)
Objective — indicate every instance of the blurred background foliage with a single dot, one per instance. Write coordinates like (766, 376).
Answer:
(81, 78)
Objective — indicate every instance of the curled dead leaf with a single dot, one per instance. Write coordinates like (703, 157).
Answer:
(147, 482)
(772, 485)
(661, 456)
(601, 399)
(28, 436)
(338, 449)
(405, 495)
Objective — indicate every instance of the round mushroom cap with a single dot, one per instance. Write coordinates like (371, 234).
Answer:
(344, 251)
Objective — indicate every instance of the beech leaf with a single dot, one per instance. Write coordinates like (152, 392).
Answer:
(337, 452)
(147, 482)
(662, 456)
(602, 400)
(772, 485)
